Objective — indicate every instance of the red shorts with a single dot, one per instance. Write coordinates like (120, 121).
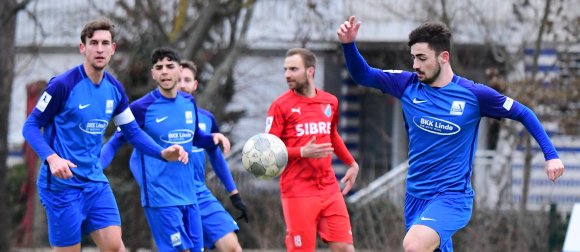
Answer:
(304, 216)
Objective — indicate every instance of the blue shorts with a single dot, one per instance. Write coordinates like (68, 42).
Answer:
(176, 228)
(217, 222)
(74, 212)
(446, 214)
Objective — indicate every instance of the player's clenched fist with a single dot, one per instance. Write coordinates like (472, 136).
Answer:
(175, 153)
(348, 30)
(60, 167)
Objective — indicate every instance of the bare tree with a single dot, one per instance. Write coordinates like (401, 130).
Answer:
(8, 30)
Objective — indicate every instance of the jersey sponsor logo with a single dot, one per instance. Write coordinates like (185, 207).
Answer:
(457, 108)
(295, 110)
(84, 106)
(94, 126)
(508, 103)
(188, 117)
(312, 128)
(175, 239)
(436, 126)
(327, 110)
(158, 119)
(393, 71)
(269, 121)
(427, 219)
(178, 136)
(418, 101)
(109, 106)
(297, 241)
(43, 101)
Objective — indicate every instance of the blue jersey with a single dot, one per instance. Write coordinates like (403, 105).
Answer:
(74, 113)
(207, 123)
(168, 122)
(442, 124)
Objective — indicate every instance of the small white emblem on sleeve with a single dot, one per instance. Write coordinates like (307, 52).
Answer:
(43, 101)
(269, 121)
(507, 104)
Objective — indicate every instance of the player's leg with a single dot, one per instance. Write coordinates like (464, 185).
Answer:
(218, 225)
(300, 215)
(433, 227)
(102, 221)
(171, 232)
(421, 238)
(108, 239)
(228, 243)
(64, 216)
(334, 223)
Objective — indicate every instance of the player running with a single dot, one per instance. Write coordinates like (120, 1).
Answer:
(74, 112)
(167, 189)
(442, 113)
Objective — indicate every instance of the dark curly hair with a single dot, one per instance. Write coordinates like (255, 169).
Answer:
(435, 34)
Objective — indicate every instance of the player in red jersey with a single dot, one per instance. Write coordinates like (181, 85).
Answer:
(305, 118)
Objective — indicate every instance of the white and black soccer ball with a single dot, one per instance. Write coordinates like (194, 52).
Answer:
(264, 156)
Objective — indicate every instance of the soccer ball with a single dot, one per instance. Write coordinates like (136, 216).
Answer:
(264, 156)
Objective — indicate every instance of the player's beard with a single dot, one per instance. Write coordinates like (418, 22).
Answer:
(436, 74)
(301, 86)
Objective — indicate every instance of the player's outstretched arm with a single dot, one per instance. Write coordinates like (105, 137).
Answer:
(144, 143)
(348, 30)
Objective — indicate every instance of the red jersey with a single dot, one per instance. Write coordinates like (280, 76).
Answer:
(296, 119)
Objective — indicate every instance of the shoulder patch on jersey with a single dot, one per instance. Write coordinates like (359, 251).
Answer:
(188, 117)
(457, 108)
(109, 106)
(43, 101)
(269, 121)
(508, 103)
(393, 71)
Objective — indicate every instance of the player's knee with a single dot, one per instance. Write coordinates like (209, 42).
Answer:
(411, 245)
(341, 247)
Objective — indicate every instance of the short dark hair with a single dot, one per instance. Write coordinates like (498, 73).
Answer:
(96, 25)
(435, 34)
(161, 53)
(307, 56)
(189, 65)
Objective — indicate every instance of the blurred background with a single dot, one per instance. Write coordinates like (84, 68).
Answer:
(526, 49)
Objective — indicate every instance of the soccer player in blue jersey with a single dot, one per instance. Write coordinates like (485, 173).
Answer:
(74, 111)
(219, 228)
(442, 113)
(168, 189)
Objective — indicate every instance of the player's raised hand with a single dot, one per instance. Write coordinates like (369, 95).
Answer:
(220, 138)
(314, 150)
(60, 167)
(348, 30)
(350, 177)
(175, 153)
(554, 169)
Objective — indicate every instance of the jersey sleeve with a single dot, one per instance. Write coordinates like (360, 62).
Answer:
(47, 107)
(392, 82)
(495, 105)
(275, 122)
(218, 162)
(122, 114)
(337, 143)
